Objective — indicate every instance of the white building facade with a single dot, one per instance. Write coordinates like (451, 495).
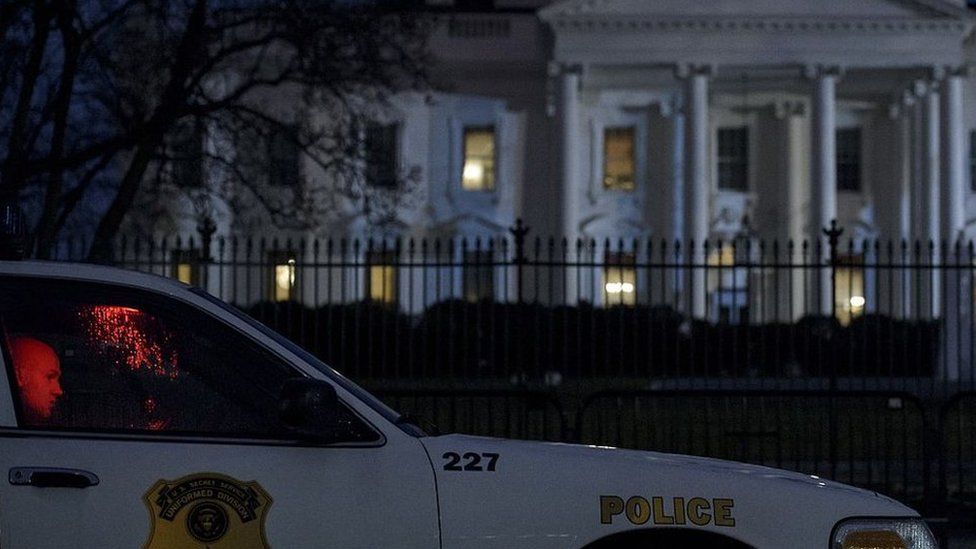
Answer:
(687, 121)
(706, 121)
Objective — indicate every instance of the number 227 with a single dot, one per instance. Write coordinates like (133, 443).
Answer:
(472, 461)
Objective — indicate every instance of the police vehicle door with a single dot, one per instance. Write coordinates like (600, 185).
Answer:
(135, 419)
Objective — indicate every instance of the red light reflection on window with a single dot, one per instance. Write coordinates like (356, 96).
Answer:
(139, 339)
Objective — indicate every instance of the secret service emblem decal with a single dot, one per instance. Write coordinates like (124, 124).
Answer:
(207, 511)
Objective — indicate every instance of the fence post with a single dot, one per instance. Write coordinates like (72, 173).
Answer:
(518, 232)
(833, 234)
(206, 227)
(833, 237)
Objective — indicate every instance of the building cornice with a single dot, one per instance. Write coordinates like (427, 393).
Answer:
(774, 25)
(924, 9)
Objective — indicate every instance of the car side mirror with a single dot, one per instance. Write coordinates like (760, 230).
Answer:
(310, 408)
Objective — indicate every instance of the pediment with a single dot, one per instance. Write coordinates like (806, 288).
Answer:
(760, 9)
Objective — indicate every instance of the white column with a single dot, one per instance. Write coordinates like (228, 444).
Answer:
(696, 203)
(794, 170)
(901, 306)
(569, 181)
(931, 180)
(678, 172)
(904, 160)
(917, 134)
(957, 311)
(953, 159)
(823, 176)
(569, 117)
(931, 161)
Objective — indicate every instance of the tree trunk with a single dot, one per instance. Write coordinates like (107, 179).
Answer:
(102, 249)
(46, 231)
(11, 172)
(171, 107)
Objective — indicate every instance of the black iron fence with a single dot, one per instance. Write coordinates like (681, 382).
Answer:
(851, 360)
(854, 315)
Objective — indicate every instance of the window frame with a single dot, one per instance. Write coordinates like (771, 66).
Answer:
(619, 262)
(856, 160)
(191, 257)
(187, 150)
(852, 268)
(630, 129)
(742, 160)
(478, 267)
(493, 131)
(371, 173)
(384, 258)
(287, 134)
(282, 258)
(158, 300)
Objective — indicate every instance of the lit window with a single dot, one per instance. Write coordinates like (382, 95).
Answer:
(849, 298)
(381, 155)
(479, 279)
(733, 159)
(382, 277)
(283, 283)
(479, 159)
(620, 279)
(618, 159)
(849, 159)
(186, 266)
(722, 257)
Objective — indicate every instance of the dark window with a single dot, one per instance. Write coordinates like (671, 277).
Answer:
(284, 157)
(849, 159)
(186, 158)
(475, 5)
(479, 279)
(733, 159)
(618, 158)
(972, 160)
(89, 357)
(381, 155)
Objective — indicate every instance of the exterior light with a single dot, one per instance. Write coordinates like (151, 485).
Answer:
(474, 172)
(614, 287)
(857, 301)
(882, 533)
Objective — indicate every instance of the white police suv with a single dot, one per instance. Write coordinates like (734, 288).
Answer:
(138, 412)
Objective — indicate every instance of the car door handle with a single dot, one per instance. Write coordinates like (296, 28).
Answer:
(52, 477)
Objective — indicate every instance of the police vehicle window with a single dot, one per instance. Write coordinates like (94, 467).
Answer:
(85, 357)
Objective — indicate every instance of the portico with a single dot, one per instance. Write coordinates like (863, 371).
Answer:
(768, 124)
